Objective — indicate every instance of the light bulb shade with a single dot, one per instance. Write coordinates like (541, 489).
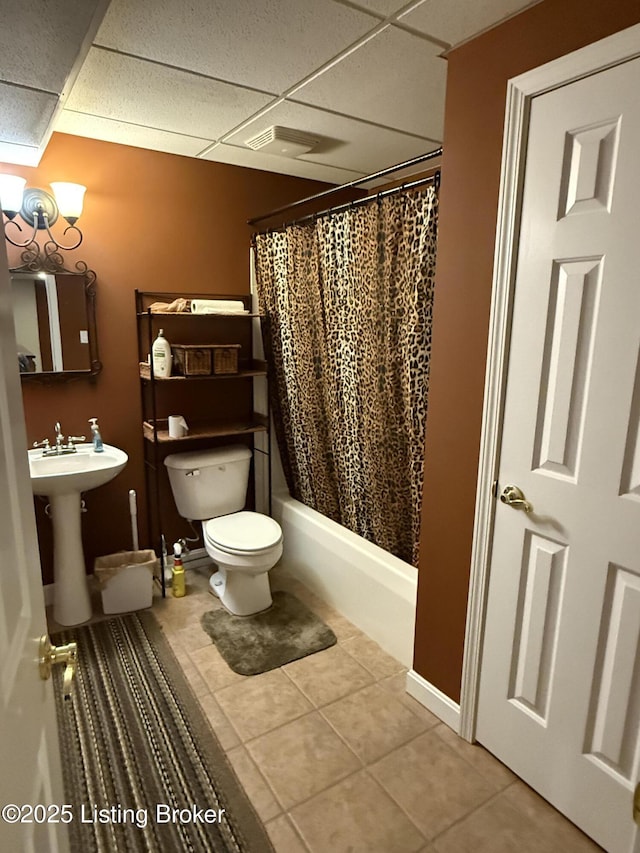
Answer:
(11, 188)
(69, 198)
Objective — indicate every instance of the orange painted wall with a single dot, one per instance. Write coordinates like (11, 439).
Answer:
(476, 86)
(151, 221)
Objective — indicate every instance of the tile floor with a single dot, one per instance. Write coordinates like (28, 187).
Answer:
(335, 756)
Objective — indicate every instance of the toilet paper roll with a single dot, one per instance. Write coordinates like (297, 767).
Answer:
(177, 426)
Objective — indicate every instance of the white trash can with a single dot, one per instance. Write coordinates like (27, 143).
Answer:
(126, 580)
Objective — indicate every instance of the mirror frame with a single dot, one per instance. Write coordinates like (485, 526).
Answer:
(95, 365)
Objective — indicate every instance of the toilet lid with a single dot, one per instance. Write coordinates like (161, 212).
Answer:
(243, 531)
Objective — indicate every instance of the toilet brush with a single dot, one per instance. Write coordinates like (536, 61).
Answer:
(133, 511)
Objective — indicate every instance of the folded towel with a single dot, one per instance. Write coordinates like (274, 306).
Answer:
(217, 306)
(178, 306)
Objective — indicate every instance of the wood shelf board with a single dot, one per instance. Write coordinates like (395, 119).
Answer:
(258, 368)
(170, 295)
(171, 314)
(203, 431)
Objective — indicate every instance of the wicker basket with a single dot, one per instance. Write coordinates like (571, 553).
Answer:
(225, 358)
(191, 360)
(196, 360)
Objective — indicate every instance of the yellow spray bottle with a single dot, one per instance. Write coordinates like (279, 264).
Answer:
(178, 586)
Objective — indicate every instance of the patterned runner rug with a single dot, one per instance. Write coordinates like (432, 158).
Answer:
(142, 768)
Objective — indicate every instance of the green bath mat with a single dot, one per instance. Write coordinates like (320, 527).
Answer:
(267, 640)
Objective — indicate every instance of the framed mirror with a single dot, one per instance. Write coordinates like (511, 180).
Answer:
(55, 322)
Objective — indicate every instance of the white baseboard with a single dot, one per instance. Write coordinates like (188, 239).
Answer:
(434, 700)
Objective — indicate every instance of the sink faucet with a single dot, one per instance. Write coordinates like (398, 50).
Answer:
(60, 448)
(59, 437)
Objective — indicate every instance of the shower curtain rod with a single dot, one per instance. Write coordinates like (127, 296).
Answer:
(432, 179)
(381, 174)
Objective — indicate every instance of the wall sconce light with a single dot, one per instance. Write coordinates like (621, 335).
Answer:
(39, 211)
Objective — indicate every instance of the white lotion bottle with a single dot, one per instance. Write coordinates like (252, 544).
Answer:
(161, 355)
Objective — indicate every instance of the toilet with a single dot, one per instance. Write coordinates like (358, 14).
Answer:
(211, 486)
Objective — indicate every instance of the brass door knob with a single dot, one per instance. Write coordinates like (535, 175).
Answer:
(513, 496)
(51, 655)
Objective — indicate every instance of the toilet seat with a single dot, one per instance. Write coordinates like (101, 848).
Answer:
(243, 533)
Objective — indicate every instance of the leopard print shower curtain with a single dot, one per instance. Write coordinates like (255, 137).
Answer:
(346, 305)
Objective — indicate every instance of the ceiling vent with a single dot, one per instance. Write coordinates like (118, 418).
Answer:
(283, 141)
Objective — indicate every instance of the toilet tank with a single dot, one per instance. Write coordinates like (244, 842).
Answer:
(208, 483)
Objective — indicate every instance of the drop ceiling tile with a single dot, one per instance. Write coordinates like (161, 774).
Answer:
(381, 7)
(25, 115)
(39, 42)
(237, 156)
(262, 44)
(404, 175)
(343, 142)
(19, 155)
(395, 79)
(144, 93)
(456, 20)
(108, 130)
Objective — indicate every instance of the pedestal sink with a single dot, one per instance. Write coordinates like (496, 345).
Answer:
(62, 479)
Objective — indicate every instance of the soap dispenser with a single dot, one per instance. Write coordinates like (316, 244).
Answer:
(95, 436)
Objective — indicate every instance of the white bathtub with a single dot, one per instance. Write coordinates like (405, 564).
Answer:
(373, 589)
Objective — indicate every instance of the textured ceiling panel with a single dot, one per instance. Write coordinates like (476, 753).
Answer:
(454, 22)
(39, 41)
(19, 155)
(343, 142)
(42, 45)
(381, 7)
(395, 79)
(109, 130)
(178, 76)
(405, 175)
(159, 97)
(271, 163)
(24, 114)
(263, 44)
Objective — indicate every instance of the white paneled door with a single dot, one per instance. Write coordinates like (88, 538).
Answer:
(31, 795)
(560, 679)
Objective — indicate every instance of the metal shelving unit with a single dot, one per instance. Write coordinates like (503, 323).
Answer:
(206, 428)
